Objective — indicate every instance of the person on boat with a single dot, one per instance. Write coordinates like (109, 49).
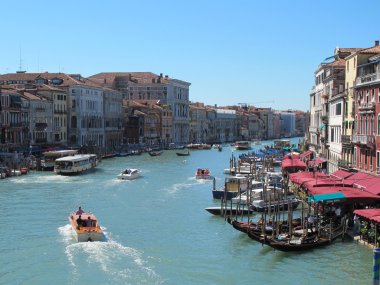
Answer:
(80, 211)
(89, 222)
(79, 222)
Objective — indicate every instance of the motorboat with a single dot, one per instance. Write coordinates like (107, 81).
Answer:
(85, 227)
(243, 145)
(281, 205)
(203, 173)
(24, 170)
(49, 157)
(129, 174)
(233, 186)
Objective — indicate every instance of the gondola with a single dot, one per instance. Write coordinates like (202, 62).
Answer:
(299, 244)
(155, 153)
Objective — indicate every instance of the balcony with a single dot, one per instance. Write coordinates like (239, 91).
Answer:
(344, 164)
(346, 139)
(363, 139)
(313, 129)
(367, 79)
(367, 108)
(57, 128)
(40, 109)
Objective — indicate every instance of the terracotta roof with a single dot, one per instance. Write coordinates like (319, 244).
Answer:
(67, 79)
(374, 49)
(349, 49)
(31, 96)
(340, 62)
(141, 77)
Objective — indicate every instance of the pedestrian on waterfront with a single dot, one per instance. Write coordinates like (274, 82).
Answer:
(356, 227)
(80, 211)
(310, 221)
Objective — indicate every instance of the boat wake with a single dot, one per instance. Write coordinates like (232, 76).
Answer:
(123, 265)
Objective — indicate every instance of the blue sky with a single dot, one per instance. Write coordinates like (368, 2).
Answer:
(262, 53)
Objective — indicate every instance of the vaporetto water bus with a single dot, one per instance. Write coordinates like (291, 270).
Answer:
(76, 164)
(49, 157)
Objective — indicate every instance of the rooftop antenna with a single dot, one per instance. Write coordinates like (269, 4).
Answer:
(20, 67)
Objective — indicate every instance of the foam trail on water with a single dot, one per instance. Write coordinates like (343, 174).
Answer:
(122, 263)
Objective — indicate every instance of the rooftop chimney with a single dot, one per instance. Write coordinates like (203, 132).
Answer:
(376, 43)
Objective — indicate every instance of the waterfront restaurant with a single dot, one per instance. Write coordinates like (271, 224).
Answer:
(368, 226)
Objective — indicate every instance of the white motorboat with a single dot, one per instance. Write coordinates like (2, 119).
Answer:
(129, 174)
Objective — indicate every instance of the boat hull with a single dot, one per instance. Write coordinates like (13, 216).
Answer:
(285, 246)
(219, 194)
(128, 177)
(228, 211)
(281, 207)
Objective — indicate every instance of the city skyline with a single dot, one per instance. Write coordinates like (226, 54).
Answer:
(262, 54)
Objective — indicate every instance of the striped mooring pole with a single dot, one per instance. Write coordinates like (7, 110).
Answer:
(376, 266)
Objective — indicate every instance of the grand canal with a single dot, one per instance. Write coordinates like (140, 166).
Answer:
(157, 230)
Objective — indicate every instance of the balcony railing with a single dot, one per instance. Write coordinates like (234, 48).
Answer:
(346, 139)
(367, 79)
(313, 129)
(344, 164)
(363, 139)
(367, 107)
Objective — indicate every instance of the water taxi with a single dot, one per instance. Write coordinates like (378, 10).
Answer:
(129, 174)
(76, 164)
(49, 157)
(203, 173)
(233, 186)
(85, 228)
(243, 145)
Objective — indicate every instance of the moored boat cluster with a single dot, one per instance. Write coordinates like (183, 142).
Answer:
(298, 207)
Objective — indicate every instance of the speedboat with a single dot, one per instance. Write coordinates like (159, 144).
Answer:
(129, 174)
(86, 228)
(203, 173)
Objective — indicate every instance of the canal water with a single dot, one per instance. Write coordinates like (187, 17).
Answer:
(156, 228)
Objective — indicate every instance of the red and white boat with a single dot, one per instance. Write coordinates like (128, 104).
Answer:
(203, 173)
(87, 228)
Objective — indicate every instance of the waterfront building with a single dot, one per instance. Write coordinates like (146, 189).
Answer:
(85, 119)
(226, 125)
(211, 125)
(59, 98)
(11, 132)
(367, 111)
(148, 86)
(318, 118)
(40, 119)
(353, 58)
(266, 117)
(198, 123)
(287, 123)
(334, 93)
(147, 121)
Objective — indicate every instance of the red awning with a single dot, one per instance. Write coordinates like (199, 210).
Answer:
(354, 195)
(368, 182)
(341, 174)
(306, 154)
(291, 155)
(293, 163)
(316, 161)
(370, 214)
(323, 181)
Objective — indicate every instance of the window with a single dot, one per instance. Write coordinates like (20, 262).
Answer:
(338, 109)
(332, 135)
(378, 161)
